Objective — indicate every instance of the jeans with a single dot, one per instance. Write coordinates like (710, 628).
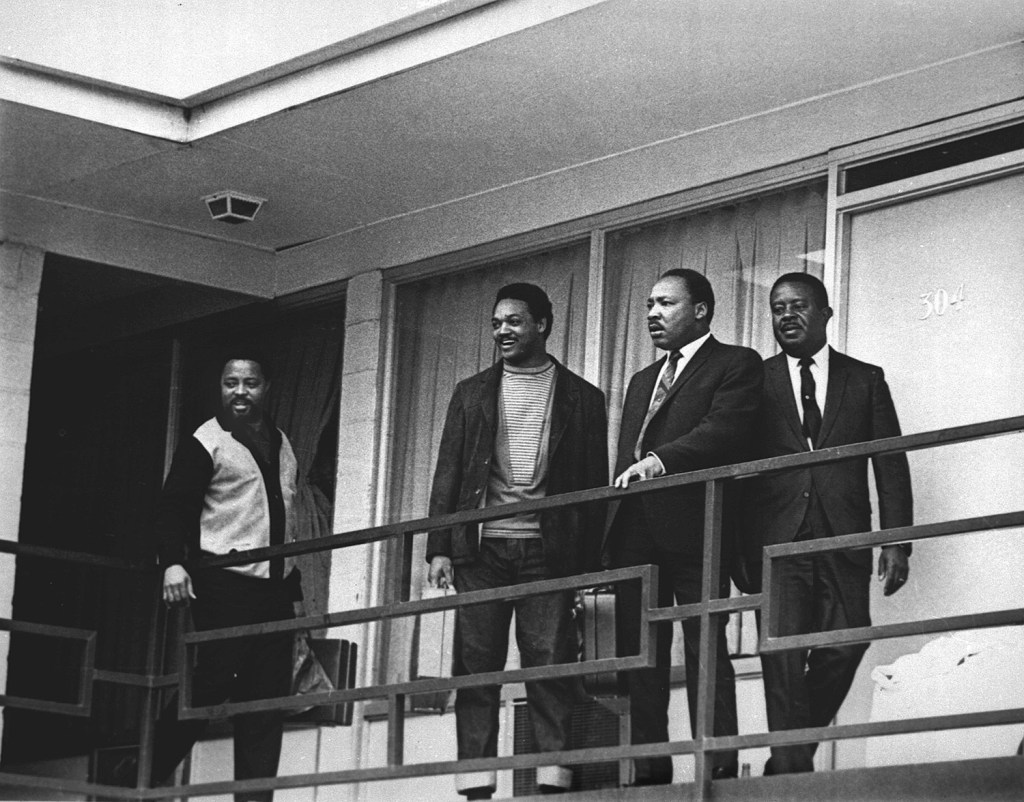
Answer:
(545, 634)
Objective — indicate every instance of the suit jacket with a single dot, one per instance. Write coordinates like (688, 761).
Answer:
(577, 460)
(706, 420)
(858, 408)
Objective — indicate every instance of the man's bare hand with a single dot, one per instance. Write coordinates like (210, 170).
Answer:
(177, 585)
(893, 568)
(647, 468)
(441, 574)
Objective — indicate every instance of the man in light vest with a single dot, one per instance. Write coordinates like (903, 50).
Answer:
(230, 488)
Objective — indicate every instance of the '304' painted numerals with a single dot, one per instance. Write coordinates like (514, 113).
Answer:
(938, 302)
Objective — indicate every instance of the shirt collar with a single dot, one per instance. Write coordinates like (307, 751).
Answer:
(688, 350)
(820, 361)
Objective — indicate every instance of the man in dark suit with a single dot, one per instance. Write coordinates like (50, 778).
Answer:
(692, 409)
(816, 397)
(525, 428)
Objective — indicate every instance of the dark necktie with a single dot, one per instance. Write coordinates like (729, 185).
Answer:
(667, 378)
(812, 413)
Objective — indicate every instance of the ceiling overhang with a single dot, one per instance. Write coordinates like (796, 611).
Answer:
(420, 38)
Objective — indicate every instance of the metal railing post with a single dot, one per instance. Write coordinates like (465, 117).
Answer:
(151, 694)
(396, 729)
(704, 726)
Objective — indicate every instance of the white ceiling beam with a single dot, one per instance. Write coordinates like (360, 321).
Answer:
(99, 102)
(468, 23)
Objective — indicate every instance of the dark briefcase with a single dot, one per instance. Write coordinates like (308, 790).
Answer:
(599, 638)
(338, 658)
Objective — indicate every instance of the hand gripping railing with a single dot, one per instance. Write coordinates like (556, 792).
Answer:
(702, 745)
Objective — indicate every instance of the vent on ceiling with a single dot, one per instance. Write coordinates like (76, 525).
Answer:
(233, 207)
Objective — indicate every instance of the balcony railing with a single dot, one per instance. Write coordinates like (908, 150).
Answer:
(702, 745)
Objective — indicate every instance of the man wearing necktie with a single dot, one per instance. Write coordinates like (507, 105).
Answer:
(816, 397)
(693, 409)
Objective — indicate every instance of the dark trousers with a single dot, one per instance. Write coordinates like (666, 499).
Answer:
(679, 577)
(545, 634)
(806, 687)
(239, 669)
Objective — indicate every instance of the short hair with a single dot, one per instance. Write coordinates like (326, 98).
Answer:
(247, 354)
(697, 285)
(535, 299)
(813, 283)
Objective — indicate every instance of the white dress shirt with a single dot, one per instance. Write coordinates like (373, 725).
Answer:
(685, 353)
(819, 370)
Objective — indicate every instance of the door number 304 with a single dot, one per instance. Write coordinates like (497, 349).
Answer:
(938, 302)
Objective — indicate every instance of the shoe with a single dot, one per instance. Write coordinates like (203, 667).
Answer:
(477, 793)
(726, 772)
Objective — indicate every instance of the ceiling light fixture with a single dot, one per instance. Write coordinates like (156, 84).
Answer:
(233, 207)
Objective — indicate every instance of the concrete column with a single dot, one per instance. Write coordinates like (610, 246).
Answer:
(21, 270)
(359, 426)
(354, 570)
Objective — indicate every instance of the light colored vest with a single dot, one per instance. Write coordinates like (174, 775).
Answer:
(236, 512)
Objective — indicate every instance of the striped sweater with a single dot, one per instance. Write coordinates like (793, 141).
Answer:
(519, 466)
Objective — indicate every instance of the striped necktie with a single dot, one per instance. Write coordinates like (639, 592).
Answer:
(668, 376)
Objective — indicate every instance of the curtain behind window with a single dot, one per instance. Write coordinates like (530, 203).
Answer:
(444, 336)
(742, 249)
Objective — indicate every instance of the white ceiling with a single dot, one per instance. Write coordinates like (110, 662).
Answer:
(603, 80)
(179, 48)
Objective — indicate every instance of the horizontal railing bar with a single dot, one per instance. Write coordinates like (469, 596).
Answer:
(406, 771)
(568, 757)
(79, 557)
(901, 534)
(421, 686)
(610, 753)
(51, 630)
(912, 442)
(421, 606)
(840, 732)
(44, 706)
(133, 679)
(14, 780)
(997, 618)
(735, 604)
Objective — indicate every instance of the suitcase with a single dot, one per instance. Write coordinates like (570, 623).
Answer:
(598, 637)
(434, 652)
(338, 658)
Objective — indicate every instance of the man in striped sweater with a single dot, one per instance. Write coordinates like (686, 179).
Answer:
(525, 428)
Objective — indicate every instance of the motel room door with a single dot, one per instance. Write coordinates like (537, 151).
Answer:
(936, 297)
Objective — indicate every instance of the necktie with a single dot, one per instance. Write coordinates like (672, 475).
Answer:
(808, 389)
(664, 385)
